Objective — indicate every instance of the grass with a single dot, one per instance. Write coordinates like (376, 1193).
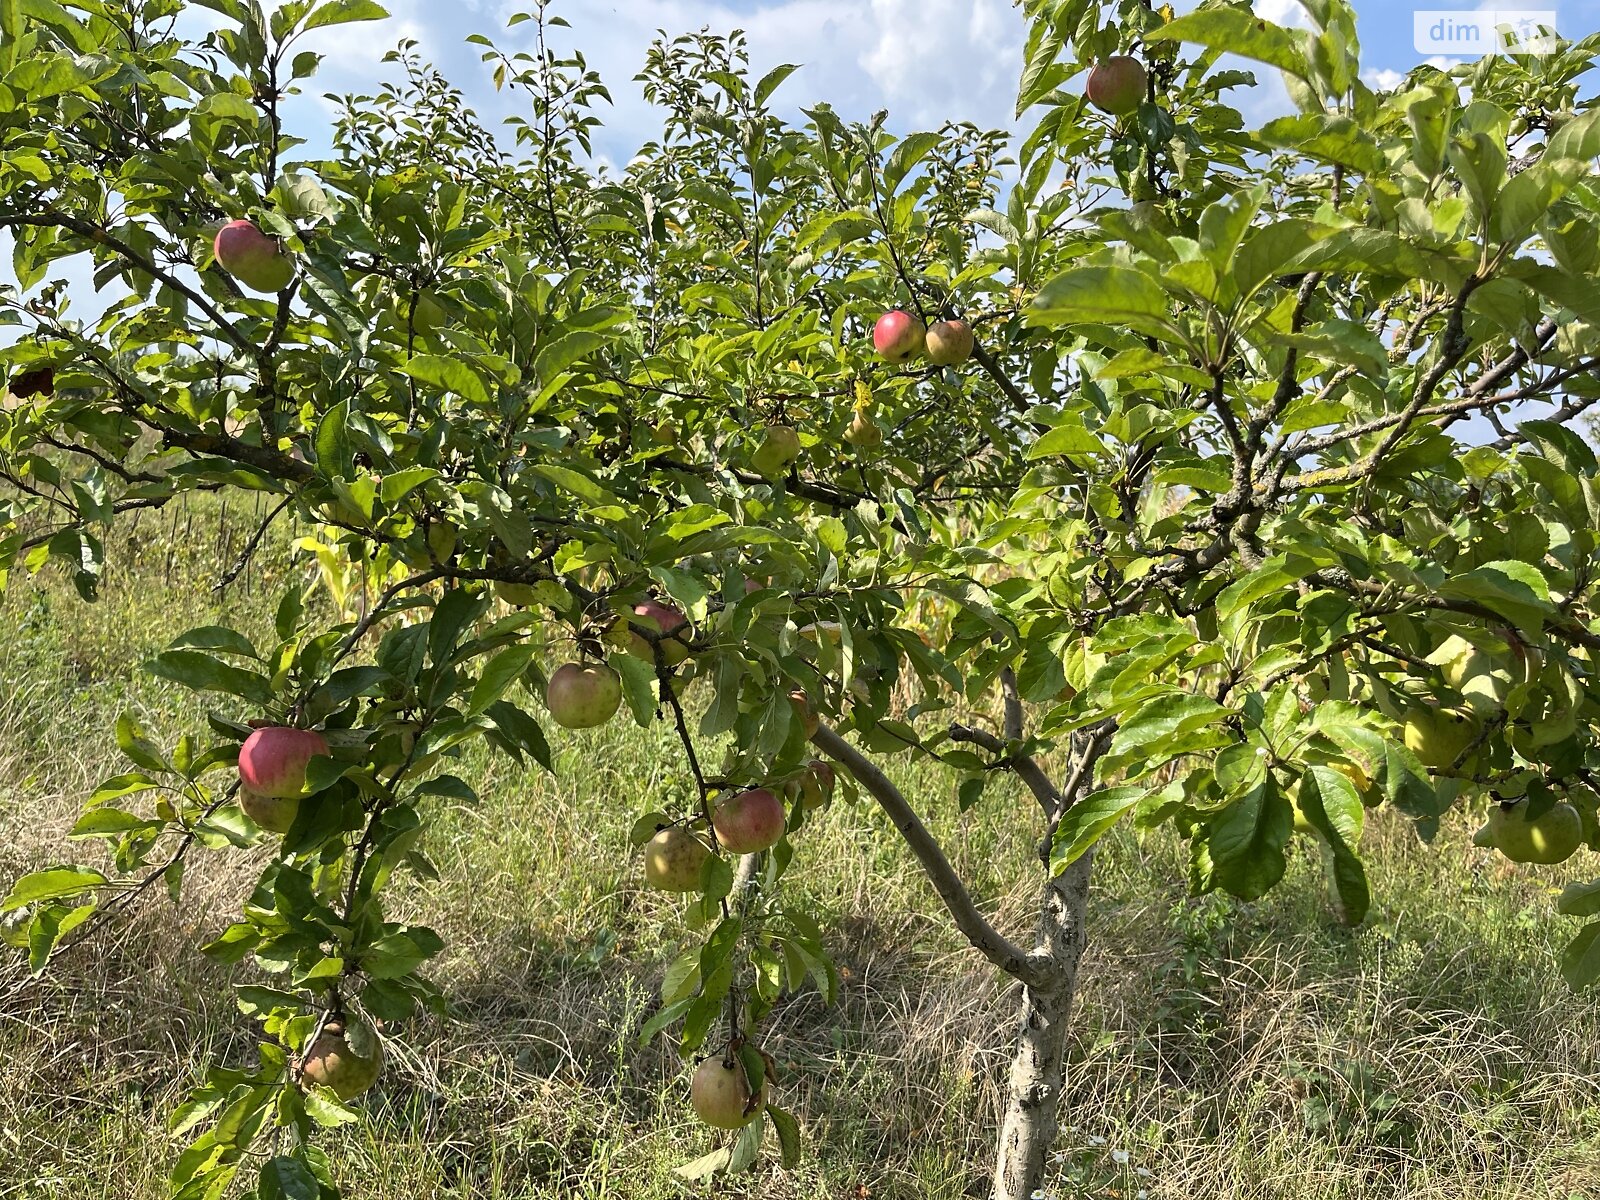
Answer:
(1223, 1049)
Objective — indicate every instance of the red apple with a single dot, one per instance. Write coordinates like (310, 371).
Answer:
(672, 860)
(720, 1093)
(272, 761)
(251, 257)
(331, 1062)
(897, 336)
(749, 821)
(583, 695)
(1117, 84)
(661, 619)
(949, 343)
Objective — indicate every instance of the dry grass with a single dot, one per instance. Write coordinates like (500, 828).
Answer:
(1227, 1050)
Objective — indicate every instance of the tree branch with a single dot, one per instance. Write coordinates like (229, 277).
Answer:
(983, 936)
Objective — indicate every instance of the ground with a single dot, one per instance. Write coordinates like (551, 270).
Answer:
(1224, 1050)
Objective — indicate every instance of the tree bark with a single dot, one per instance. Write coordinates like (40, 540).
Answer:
(1038, 1066)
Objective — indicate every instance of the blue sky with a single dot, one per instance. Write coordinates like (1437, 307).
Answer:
(924, 60)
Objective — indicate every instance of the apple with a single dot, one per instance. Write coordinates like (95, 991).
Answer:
(720, 1093)
(273, 759)
(672, 860)
(517, 595)
(662, 620)
(1551, 838)
(425, 313)
(1117, 84)
(251, 257)
(1482, 682)
(779, 447)
(749, 821)
(275, 814)
(442, 538)
(809, 721)
(1438, 736)
(949, 343)
(331, 1061)
(898, 336)
(817, 784)
(864, 432)
(583, 695)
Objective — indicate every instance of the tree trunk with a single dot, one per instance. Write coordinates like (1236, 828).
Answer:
(1038, 1068)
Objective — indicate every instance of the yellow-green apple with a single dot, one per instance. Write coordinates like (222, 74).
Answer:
(780, 446)
(1551, 838)
(1438, 736)
(275, 814)
(816, 784)
(809, 721)
(583, 695)
(863, 433)
(720, 1093)
(949, 343)
(672, 860)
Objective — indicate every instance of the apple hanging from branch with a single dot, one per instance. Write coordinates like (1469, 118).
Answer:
(251, 257)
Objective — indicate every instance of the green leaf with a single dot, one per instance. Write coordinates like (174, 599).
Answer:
(576, 482)
(397, 486)
(705, 1166)
(449, 375)
(138, 748)
(201, 673)
(48, 927)
(771, 81)
(55, 883)
(1515, 590)
(502, 671)
(1246, 841)
(1332, 805)
(215, 637)
(638, 687)
(1108, 295)
(285, 1178)
(1087, 821)
(1069, 437)
(342, 12)
(323, 1107)
(910, 150)
(1579, 899)
(788, 1131)
(1237, 31)
(1580, 961)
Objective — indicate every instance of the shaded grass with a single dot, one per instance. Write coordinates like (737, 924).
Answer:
(1227, 1050)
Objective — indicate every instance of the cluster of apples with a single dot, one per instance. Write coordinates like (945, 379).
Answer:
(345, 1056)
(746, 822)
(1502, 680)
(899, 337)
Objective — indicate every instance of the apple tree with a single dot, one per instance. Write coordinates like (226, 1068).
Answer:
(1192, 475)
